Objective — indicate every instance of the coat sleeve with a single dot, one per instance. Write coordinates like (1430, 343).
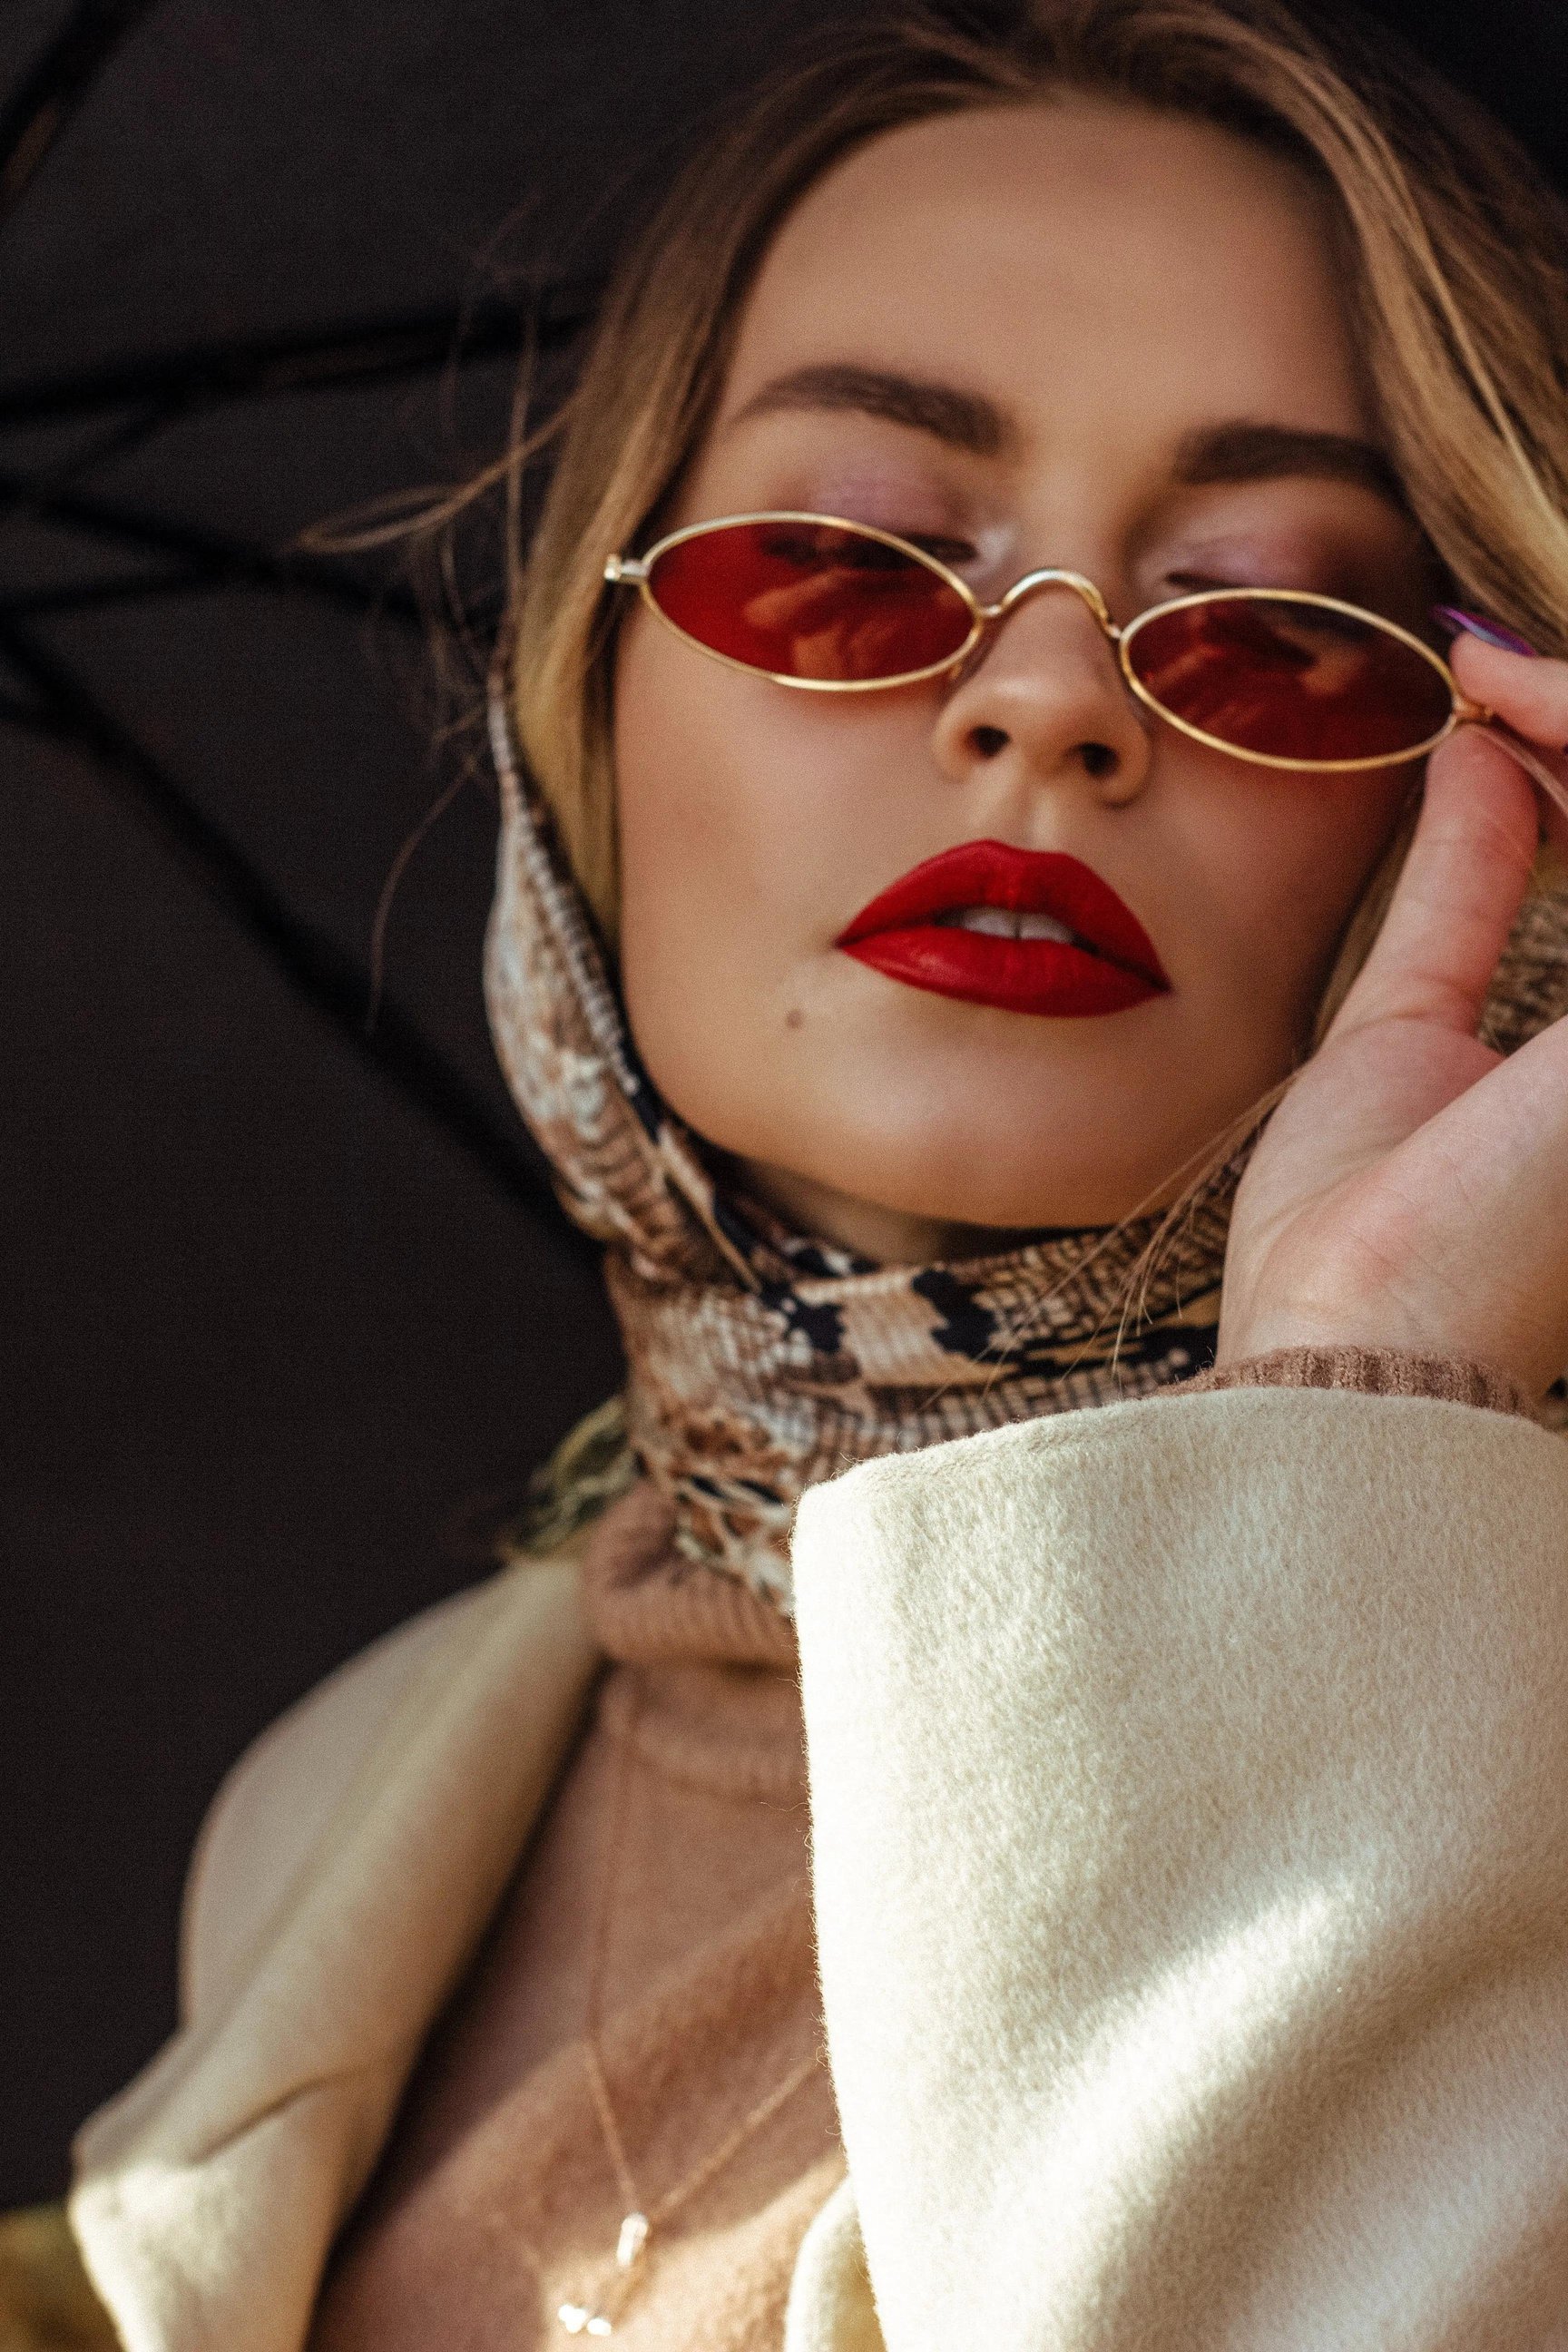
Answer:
(1189, 1787)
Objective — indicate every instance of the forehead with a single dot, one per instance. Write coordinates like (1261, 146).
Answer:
(1133, 268)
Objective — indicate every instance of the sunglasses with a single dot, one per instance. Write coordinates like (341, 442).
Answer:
(1280, 675)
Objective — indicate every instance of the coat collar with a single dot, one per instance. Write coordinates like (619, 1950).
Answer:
(209, 2191)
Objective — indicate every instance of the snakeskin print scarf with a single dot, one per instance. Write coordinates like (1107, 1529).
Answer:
(762, 1359)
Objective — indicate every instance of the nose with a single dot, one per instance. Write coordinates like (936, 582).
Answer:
(1045, 696)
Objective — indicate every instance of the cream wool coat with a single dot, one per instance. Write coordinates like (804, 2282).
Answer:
(1189, 1786)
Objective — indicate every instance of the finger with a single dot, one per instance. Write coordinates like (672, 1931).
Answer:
(1548, 770)
(1528, 690)
(1529, 694)
(1465, 873)
(1492, 1163)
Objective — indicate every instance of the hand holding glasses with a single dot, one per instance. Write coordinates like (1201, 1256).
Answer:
(1281, 677)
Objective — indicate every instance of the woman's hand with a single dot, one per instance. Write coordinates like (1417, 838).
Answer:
(1411, 1189)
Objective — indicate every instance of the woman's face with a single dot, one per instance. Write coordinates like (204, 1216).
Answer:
(1075, 335)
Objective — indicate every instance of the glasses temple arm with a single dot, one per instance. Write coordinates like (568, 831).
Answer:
(1551, 780)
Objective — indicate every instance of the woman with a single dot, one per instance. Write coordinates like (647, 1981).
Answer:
(1184, 1749)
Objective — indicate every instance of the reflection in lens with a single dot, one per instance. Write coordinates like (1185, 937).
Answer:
(809, 601)
(1295, 682)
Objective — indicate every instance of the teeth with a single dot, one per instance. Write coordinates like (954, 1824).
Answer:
(1003, 923)
(998, 922)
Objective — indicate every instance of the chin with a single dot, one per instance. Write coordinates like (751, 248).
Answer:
(984, 1180)
(937, 1140)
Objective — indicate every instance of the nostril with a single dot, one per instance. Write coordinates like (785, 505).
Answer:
(988, 741)
(1099, 759)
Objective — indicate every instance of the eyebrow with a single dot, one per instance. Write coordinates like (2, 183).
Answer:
(963, 420)
(1246, 452)
(1238, 451)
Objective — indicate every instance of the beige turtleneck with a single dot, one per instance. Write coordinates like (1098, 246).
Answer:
(499, 2198)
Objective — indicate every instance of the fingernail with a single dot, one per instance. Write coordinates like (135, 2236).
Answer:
(1491, 632)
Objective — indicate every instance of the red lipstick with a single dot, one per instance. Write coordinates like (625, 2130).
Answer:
(1107, 963)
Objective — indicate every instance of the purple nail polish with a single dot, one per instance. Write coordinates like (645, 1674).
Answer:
(1491, 632)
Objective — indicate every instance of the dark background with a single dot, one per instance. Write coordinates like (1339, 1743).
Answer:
(278, 1341)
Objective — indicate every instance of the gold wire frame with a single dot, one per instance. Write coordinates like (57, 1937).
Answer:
(623, 571)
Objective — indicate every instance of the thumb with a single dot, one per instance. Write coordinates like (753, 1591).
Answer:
(1465, 875)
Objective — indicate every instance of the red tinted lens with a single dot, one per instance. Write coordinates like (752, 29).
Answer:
(1295, 682)
(809, 600)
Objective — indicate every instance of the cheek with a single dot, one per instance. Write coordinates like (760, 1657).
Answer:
(750, 819)
(707, 847)
(1285, 868)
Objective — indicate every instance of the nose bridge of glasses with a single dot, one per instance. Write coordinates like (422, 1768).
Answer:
(1053, 577)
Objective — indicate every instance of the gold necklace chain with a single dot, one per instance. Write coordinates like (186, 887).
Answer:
(597, 2312)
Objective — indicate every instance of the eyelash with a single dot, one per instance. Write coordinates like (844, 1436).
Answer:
(956, 553)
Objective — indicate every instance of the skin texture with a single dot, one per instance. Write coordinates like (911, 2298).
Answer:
(1114, 282)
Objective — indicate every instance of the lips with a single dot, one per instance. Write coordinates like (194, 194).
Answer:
(1109, 964)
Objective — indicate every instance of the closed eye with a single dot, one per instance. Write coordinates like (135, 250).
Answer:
(810, 544)
(1195, 584)
(954, 552)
